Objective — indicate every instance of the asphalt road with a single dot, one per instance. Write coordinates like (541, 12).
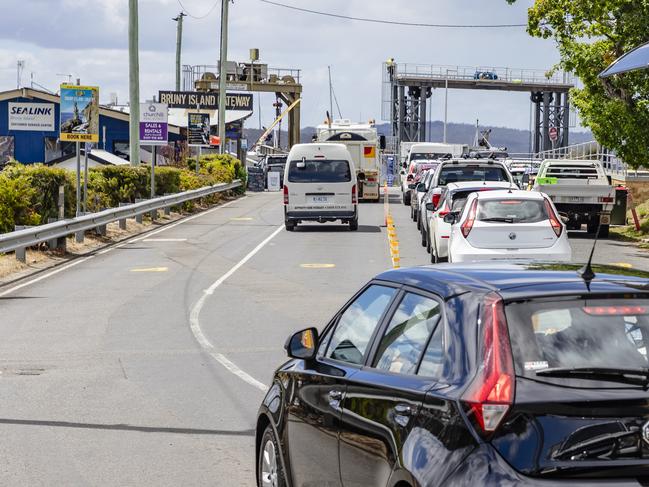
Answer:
(123, 370)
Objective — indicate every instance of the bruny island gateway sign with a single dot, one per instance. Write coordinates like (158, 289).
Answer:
(207, 101)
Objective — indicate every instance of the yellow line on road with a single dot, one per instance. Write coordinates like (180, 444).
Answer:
(241, 219)
(626, 265)
(317, 266)
(151, 269)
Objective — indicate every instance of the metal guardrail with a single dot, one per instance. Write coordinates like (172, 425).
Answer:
(28, 237)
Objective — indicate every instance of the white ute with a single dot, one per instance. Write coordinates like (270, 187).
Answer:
(320, 185)
(503, 225)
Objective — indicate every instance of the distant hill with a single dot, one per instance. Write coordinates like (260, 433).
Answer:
(516, 140)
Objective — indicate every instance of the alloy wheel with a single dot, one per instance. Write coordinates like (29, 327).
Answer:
(269, 475)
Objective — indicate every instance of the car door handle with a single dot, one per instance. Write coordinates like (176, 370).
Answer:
(335, 395)
(403, 410)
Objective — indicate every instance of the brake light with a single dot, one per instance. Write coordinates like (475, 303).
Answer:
(491, 393)
(435, 199)
(605, 199)
(444, 211)
(554, 221)
(354, 197)
(285, 194)
(615, 310)
(470, 219)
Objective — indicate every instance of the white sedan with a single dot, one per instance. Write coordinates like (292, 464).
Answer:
(452, 199)
(517, 224)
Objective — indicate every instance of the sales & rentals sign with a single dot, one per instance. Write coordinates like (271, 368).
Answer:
(153, 124)
(38, 117)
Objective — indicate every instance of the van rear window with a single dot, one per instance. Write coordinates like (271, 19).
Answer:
(319, 171)
(454, 174)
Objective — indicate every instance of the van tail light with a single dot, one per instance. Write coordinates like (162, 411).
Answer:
(606, 199)
(435, 199)
(491, 393)
(470, 219)
(285, 194)
(354, 196)
(444, 211)
(554, 220)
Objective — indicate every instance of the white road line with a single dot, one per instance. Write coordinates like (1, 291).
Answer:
(164, 240)
(194, 318)
(122, 244)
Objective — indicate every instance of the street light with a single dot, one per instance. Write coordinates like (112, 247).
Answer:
(633, 60)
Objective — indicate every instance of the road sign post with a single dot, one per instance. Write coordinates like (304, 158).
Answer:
(198, 133)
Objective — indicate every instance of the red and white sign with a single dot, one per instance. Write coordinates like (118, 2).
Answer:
(554, 134)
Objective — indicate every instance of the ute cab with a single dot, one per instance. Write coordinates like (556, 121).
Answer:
(320, 185)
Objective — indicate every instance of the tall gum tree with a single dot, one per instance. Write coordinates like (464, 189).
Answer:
(591, 34)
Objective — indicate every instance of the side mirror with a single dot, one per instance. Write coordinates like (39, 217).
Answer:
(302, 345)
(450, 218)
(382, 142)
(412, 186)
(404, 165)
(403, 172)
(360, 176)
(430, 207)
(421, 187)
(410, 177)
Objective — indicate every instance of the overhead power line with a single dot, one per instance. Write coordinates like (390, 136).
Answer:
(393, 22)
(199, 17)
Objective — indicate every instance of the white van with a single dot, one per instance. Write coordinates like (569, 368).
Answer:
(320, 185)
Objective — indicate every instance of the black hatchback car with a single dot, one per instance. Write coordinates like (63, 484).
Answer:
(488, 374)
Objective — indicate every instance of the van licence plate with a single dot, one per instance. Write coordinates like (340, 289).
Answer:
(319, 199)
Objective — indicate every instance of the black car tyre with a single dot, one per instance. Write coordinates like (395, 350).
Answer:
(603, 231)
(418, 220)
(353, 224)
(424, 238)
(406, 198)
(269, 465)
(290, 226)
(433, 254)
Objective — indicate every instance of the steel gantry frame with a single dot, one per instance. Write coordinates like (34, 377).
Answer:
(407, 88)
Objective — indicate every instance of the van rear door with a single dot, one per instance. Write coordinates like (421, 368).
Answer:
(320, 184)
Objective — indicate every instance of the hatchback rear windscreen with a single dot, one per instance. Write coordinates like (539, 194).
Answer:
(455, 174)
(511, 211)
(575, 334)
(458, 198)
(319, 171)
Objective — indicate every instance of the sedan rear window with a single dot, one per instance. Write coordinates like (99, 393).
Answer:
(319, 171)
(455, 174)
(512, 211)
(575, 335)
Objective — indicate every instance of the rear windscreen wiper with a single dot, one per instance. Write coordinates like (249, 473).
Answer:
(498, 219)
(639, 376)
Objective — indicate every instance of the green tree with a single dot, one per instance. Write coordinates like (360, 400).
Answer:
(591, 34)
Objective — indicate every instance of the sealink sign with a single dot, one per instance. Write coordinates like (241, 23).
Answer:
(32, 116)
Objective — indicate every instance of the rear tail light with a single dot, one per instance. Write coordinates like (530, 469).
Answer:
(470, 219)
(435, 199)
(605, 199)
(285, 194)
(444, 211)
(552, 216)
(354, 197)
(491, 393)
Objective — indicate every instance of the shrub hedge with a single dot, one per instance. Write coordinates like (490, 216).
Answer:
(29, 193)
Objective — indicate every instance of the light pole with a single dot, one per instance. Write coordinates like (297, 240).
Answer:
(179, 43)
(134, 84)
(445, 105)
(223, 72)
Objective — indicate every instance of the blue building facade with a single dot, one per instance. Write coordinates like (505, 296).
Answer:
(31, 146)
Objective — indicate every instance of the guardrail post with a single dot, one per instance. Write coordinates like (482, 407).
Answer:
(80, 235)
(56, 243)
(167, 208)
(21, 252)
(122, 221)
(138, 217)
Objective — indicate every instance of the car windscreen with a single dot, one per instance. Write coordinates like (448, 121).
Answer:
(453, 174)
(416, 156)
(458, 198)
(511, 210)
(271, 161)
(576, 334)
(319, 171)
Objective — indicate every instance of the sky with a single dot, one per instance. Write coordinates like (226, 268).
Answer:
(88, 40)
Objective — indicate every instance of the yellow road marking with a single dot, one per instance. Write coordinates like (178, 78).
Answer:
(151, 269)
(241, 219)
(317, 266)
(626, 265)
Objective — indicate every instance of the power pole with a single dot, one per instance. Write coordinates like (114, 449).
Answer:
(223, 72)
(331, 94)
(179, 43)
(134, 83)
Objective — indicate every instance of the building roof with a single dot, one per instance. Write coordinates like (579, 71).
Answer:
(99, 156)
